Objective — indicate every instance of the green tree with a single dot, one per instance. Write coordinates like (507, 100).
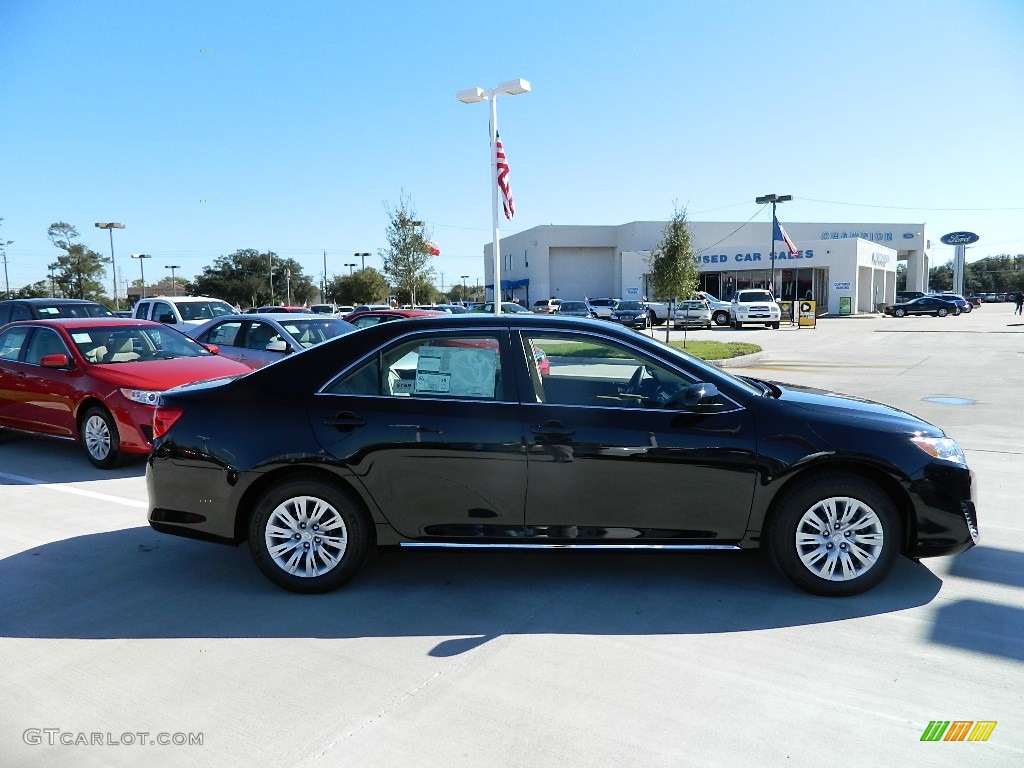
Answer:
(407, 257)
(37, 290)
(79, 270)
(367, 286)
(673, 266)
(244, 278)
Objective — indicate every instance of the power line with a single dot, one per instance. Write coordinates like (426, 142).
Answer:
(905, 207)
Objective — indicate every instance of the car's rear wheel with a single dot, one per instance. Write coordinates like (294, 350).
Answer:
(309, 536)
(899, 312)
(721, 317)
(98, 434)
(834, 534)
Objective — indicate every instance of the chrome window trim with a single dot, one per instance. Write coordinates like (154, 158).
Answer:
(537, 545)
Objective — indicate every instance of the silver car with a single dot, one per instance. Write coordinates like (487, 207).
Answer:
(692, 312)
(257, 339)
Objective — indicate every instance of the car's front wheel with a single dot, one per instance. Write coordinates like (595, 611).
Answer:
(100, 438)
(899, 312)
(941, 312)
(834, 534)
(309, 536)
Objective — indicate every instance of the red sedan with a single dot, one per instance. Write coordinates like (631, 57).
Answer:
(377, 316)
(97, 380)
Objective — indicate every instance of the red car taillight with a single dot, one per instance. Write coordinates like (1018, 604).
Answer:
(163, 419)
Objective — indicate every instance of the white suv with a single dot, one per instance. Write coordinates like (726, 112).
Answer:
(181, 312)
(754, 305)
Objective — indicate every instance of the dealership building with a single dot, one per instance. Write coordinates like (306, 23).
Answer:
(845, 268)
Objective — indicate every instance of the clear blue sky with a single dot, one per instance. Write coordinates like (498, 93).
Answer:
(206, 127)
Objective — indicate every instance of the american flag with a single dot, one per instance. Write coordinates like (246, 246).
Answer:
(506, 191)
(780, 234)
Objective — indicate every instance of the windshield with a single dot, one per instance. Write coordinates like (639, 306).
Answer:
(571, 306)
(602, 302)
(203, 310)
(629, 305)
(694, 305)
(103, 345)
(746, 296)
(73, 310)
(308, 333)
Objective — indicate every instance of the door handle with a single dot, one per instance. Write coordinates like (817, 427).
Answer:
(552, 428)
(345, 420)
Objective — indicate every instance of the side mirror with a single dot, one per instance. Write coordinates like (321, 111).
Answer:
(213, 348)
(277, 346)
(55, 361)
(696, 397)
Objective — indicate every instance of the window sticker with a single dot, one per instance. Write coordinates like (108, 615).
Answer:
(456, 371)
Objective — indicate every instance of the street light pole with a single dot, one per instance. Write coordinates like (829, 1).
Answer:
(350, 265)
(773, 199)
(362, 258)
(472, 96)
(142, 270)
(110, 226)
(463, 278)
(174, 285)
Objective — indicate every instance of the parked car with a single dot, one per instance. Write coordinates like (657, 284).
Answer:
(12, 310)
(263, 338)
(754, 305)
(575, 309)
(280, 309)
(507, 307)
(366, 318)
(337, 310)
(438, 432)
(905, 296)
(451, 309)
(602, 308)
(546, 306)
(96, 380)
(692, 312)
(963, 305)
(181, 311)
(923, 305)
(632, 314)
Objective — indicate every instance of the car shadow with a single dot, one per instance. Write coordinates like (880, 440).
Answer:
(993, 564)
(136, 583)
(58, 461)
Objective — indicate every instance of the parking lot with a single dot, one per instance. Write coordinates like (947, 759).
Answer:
(115, 639)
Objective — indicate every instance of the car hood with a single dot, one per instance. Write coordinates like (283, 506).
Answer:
(847, 407)
(164, 374)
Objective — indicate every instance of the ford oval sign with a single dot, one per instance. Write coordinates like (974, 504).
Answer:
(959, 238)
(908, 235)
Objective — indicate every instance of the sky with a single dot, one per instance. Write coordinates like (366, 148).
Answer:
(207, 127)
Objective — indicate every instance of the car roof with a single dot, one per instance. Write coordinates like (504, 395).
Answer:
(38, 300)
(90, 322)
(400, 312)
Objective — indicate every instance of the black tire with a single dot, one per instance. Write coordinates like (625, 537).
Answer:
(721, 317)
(941, 312)
(776, 326)
(300, 505)
(797, 543)
(739, 325)
(99, 437)
(899, 312)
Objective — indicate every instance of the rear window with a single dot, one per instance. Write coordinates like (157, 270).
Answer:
(72, 310)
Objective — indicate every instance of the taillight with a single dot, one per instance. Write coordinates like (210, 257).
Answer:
(163, 419)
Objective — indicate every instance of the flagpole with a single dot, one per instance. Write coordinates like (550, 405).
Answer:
(472, 96)
(496, 240)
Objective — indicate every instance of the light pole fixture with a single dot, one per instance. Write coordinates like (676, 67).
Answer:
(142, 270)
(463, 278)
(174, 285)
(362, 259)
(110, 226)
(350, 265)
(774, 200)
(472, 96)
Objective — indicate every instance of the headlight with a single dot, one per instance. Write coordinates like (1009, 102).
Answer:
(144, 396)
(941, 448)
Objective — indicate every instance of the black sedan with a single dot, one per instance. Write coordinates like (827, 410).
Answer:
(633, 314)
(923, 305)
(444, 432)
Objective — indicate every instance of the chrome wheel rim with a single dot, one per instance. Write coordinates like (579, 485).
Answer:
(306, 536)
(96, 434)
(839, 538)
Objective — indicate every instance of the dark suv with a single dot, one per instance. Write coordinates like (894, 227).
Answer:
(38, 309)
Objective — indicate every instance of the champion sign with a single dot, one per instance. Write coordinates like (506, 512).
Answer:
(959, 238)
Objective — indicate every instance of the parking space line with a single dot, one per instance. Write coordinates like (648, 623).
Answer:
(75, 491)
